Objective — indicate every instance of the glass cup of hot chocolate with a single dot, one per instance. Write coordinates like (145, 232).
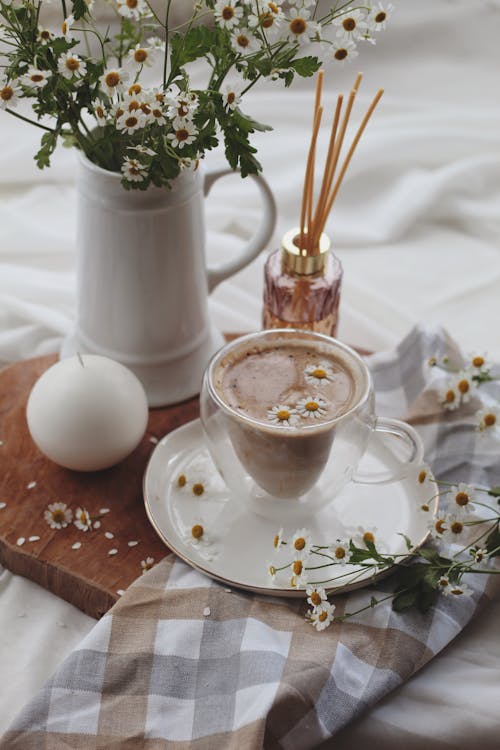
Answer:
(288, 415)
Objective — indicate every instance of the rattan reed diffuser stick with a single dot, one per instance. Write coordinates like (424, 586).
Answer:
(311, 226)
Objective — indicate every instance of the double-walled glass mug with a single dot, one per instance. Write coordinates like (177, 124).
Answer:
(288, 415)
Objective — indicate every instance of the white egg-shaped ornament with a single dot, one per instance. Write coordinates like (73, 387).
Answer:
(87, 412)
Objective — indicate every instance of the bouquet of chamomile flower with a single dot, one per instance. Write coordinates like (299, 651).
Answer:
(87, 84)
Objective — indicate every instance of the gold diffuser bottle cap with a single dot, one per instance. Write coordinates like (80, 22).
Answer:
(296, 260)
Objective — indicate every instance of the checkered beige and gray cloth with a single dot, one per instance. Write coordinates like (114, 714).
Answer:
(158, 673)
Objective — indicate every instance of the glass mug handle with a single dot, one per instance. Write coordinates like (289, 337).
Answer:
(409, 439)
(220, 271)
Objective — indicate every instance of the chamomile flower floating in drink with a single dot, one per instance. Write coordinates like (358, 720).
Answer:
(283, 414)
(312, 407)
(318, 374)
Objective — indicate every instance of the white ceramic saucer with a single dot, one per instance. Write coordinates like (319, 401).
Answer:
(237, 544)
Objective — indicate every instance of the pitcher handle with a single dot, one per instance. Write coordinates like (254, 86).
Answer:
(220, 271)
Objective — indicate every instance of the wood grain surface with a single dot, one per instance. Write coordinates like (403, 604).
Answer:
(87, 577)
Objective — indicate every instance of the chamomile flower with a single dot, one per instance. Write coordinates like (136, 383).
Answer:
(183, 106)
(463, 497)
(244, 42)
(271, 571)
(66, 27)
(300, 27)
(449, 396)
(184, 134)
(154, 42)
(316, 595)
(35, 78)
(231, 97)
(443, 585)
(300, 575)
(379, 15)
(458, 589)
(312, 406)
(133, 170)
(141, 56)
(318, 374)
(322, 616)
(197, 532)
(58, 515)
(113, 80)
(157, 115)
(9, 93)
(228, 13)
(130, 122)
(278, 540)
(147, 564)
(455, 527)
(424, 475)
(301, 543)
(82, 519)
(352, 26)
(284, 415)
(268, 18)
(340, 52)
(44, 36)
(465, 385)
(438, 525)
(133, 9)
(147, 152)
(366, 535)
(479, 364)
(479, 555)
(340, 551)
(70, 66)
(99, 110)
(488, 419)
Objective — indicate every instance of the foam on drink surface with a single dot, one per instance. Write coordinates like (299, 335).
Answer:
(253, 381)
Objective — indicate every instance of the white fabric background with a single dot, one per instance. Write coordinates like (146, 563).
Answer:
(417, 227)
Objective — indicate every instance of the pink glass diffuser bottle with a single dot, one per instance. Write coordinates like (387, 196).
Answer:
(301, 290)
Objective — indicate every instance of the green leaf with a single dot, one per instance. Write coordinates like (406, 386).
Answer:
(405, 600)
(493, 542)
(306, 66)
(48, 144)
(189, 47)
(80, 9)
(408, 542)
(494, 492)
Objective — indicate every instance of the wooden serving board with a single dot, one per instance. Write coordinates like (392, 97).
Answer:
(87, 577)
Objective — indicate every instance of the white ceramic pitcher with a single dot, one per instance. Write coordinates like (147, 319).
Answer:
(142, 279)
